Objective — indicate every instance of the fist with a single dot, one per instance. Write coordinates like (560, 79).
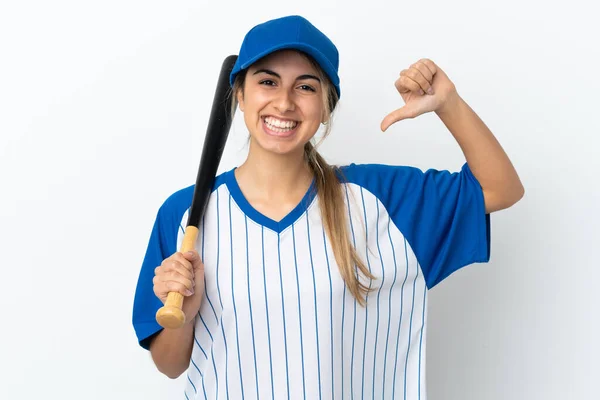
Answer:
(183, 273)
(424, 87)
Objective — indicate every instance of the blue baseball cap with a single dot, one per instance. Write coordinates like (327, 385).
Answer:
(291, 32)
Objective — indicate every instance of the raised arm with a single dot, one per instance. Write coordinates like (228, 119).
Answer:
(426, 88)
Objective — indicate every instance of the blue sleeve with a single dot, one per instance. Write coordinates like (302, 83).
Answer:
(441, 215)
(162, 244)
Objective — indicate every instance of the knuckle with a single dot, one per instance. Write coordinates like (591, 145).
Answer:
(175, 258)
(183, 262)
(424, 70)
(184, 271)
(173, 275)
(166, 264)
(158, 289)
(431, 66)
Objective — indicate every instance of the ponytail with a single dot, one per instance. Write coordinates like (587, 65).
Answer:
(335, 218)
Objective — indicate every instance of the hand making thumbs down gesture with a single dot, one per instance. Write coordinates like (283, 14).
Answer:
(424, 87)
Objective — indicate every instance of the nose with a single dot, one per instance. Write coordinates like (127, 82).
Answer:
(284, 102)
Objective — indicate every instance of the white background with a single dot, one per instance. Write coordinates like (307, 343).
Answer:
(103, 110)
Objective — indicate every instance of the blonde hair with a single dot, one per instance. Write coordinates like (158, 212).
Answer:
(330, 192)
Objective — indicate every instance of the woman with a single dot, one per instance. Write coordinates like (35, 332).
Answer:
(310, 281)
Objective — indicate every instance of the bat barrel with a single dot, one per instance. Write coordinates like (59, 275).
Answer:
(216, 137)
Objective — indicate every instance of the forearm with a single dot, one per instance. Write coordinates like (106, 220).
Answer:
(484, 154)
(171, 350)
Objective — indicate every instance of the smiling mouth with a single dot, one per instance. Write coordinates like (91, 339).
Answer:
(279, 126)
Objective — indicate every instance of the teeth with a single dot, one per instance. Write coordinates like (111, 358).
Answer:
(276, 123)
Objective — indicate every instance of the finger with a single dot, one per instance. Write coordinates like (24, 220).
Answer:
(158, 289)
(395, 116)
(174, 282)
(183, 260)
(426, 73)
(178, 278)
(405, 84)
(174, 286)
(194, 258)
(429, 64)
(175, 266)
(162, 289)
(415, 75)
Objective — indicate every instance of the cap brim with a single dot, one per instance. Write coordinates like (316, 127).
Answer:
(313, 52)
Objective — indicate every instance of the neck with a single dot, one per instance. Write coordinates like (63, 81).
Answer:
(273, 177)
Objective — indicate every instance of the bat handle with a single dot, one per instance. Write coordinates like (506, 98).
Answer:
(171, 315)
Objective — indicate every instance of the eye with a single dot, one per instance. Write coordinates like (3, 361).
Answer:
(307, 87)
(267, 82)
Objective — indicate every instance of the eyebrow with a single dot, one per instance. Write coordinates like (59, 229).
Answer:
(273, 73)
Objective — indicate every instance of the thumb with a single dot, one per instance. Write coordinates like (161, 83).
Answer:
(395, 116)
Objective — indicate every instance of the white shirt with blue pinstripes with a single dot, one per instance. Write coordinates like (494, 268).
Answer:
(277, 321)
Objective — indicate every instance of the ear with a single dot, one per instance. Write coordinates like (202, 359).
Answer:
(240, 99)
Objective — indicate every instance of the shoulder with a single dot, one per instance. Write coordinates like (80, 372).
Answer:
(181, 199)
(382, 180)
(408, 184)
(363, 174)
(178, 202)
(374, 175)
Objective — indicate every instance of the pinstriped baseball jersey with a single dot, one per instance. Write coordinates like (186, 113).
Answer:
(277, 321)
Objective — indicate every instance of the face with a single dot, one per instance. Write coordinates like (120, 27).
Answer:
(282, 102)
